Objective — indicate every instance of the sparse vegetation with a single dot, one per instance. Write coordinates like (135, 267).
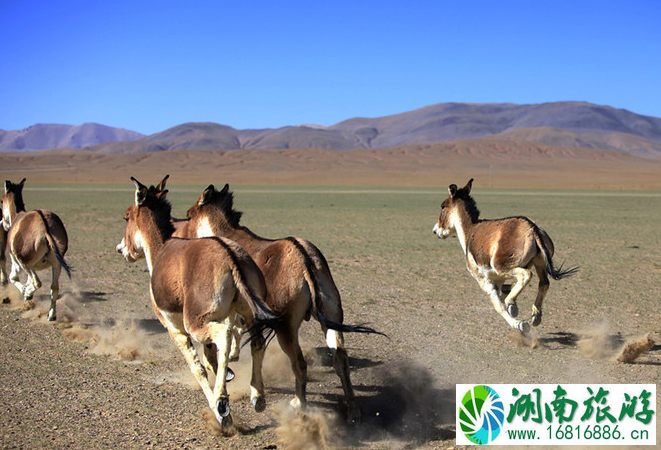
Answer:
(393, 273)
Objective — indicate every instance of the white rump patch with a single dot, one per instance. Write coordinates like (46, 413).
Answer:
(332, 339)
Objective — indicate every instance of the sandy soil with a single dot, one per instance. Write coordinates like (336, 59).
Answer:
(107, 376)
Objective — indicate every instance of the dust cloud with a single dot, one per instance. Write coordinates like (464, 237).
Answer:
(80, 320)
(308, 429)
(596, 342)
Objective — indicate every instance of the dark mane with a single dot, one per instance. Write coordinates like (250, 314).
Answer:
(162, 210)
(469, 204)
(225, 201)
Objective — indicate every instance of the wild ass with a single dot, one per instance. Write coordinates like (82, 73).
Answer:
(196, 287)
(36, 240)
(498, 251)
(299, 283)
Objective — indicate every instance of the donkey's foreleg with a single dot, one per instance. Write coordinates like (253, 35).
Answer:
(491, 289)
(186, 347)
(221, 335)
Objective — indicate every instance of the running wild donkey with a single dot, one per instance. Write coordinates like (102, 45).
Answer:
(298, 280)
(36, 240)
(196, 288)
(499, 251)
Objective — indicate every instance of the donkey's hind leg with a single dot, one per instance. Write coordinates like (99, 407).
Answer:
(522, 276)
(541, 293)
(257, 347)
(14, 275)
(335, 341)
(54, 290)
(288, 340)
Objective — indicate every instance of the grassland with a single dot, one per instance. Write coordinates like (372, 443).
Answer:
(60, 388)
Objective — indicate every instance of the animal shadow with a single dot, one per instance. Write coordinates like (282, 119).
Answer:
(406, 404)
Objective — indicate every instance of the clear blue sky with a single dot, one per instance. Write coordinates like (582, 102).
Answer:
(148, 66)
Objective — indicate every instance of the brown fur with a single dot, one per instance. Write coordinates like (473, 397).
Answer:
(298, 282)
(500, 251)
(196, 287)
(36, 240)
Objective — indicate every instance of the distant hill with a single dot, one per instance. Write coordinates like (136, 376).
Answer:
(47, 136)
(567, 124)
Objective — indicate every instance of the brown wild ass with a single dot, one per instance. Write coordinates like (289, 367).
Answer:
(36, 240)
(499, 251)
(196, 288)
(299, 283)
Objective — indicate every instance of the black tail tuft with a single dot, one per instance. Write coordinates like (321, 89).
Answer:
(262, 330)
(560, 273)
(326, 322)
(264, 326)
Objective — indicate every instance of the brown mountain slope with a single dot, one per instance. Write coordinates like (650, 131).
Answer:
(497, 163)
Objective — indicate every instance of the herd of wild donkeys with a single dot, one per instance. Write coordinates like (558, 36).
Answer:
(211, 277)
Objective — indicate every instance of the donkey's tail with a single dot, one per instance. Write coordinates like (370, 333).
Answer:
(560, 272)
(313, 284)
(265, 319)
(53, 245)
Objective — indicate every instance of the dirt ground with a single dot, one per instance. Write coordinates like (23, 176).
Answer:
(105, 375)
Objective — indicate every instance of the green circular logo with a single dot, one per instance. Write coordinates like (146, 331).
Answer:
(481, 414)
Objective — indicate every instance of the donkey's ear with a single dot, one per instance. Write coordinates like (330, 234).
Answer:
(225, 188)
(206, 195)
(140, 195)
(161, 185)
(452, 189)
(7, 185)
(140, 192)
(22, 183)
(162, 193)
(468, 186)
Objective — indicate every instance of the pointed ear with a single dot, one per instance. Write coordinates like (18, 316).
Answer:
(7, 186)
(140, 192)
(22, 183)
(452, 189)
(225, 189)
(161, 185)
(206, 195)
(162, 193)
(468, 186)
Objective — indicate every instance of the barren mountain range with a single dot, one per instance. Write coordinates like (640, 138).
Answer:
(559, 124)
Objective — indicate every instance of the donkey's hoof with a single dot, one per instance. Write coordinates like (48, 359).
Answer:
(512, 310)
(354, 415)
(229, 376)
(536, 319)
(259, 403)
(52, 318)
(226, 423)
(524, 327)
(223, 407)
